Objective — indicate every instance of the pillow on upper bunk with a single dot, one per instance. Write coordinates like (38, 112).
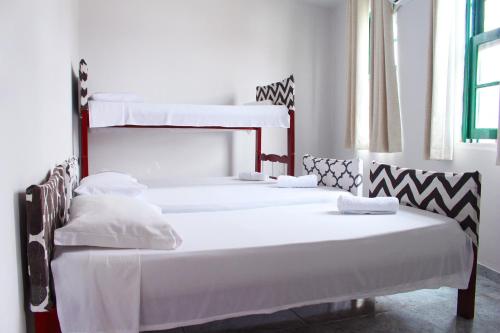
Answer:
(344, 174)
(117, 97)
(110, 182)
(118, 222)
(264, 102)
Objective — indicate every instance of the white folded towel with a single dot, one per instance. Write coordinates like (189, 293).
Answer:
(252, 175)
(348, 204)
(116, 97)
(302, 181)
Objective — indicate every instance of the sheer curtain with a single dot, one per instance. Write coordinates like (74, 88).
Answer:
(385, 115)
(357, 74)
(448, 52)
(498, 135)
(373, 120)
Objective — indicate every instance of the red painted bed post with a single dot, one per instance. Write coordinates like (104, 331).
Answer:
(291, 144)
(47, 322)
(258, 149)
(467, 297)
(85, 141)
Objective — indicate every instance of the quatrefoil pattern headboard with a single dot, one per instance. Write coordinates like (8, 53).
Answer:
(47, 208)
(343, 174)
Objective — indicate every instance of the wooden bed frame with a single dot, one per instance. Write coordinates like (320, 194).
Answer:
(288, 160)
(47, 322)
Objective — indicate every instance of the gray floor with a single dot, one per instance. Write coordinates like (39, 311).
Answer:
(419, 311)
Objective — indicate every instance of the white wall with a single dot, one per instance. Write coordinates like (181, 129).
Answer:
(37, 41)
(413, 38)
(212, 52)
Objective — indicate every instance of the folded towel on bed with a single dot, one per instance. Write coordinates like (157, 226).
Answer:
(116, 97)
(357, 205)
(302, 181)
(252, 176)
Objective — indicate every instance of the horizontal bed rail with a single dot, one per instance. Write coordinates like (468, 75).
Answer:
(275, 158)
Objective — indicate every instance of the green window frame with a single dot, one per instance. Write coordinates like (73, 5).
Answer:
(475, 37)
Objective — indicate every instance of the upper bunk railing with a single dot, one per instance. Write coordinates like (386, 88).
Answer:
(280, 93)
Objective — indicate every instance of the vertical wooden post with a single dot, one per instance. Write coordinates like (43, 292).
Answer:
(85, 142)
(47, 322)
(258, 149)
(467, 297)
(291, 144)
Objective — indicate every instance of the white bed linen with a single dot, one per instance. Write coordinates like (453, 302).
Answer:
(106, 114)
(263, 260)
(245, 195)
(201, 181)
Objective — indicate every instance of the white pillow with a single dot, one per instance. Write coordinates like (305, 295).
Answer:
(264, 102)
(110, 183)
(116, 97)
(118, 222)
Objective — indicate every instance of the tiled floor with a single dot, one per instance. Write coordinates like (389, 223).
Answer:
(419, 311)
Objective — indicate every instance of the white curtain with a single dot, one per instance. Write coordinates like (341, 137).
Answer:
(357, 74)
(448, 51)
(373, 120)
(385, 116)
(498, 136)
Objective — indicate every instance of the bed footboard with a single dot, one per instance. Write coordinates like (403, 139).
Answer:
(281, 93)
(456, 195)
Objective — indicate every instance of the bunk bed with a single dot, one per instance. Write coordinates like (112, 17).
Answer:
(243, 270)
(281, 114)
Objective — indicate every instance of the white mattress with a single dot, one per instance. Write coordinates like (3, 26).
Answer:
(234, 263)
(106, 114)
(239, 195)
(202, 181)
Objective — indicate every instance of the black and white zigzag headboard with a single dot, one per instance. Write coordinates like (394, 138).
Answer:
(82, 73)
(280, 93)
(456, 195)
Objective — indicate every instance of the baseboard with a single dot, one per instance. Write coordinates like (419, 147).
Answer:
(488, 273)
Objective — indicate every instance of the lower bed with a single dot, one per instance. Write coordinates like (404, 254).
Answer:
(240, 262)
(231, 194)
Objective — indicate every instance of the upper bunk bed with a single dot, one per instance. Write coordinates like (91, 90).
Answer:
(279, 113)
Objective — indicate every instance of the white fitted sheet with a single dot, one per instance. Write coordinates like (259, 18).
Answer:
(202, 181)
(107, 114)
(234, 196)
(235, 263)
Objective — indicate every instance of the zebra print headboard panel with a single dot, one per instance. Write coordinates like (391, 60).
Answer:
(83, 75)
(456, 195)
(280, 93)
(47, 207)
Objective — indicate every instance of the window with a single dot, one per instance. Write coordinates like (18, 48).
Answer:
(482, 70)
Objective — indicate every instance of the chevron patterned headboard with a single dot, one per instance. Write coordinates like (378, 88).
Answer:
(280, 93)
(83, 75)
(456, 195)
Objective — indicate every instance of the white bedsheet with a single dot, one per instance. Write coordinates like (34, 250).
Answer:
(234, 263)
(201, 181)
(106, 114)
(243, 195)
